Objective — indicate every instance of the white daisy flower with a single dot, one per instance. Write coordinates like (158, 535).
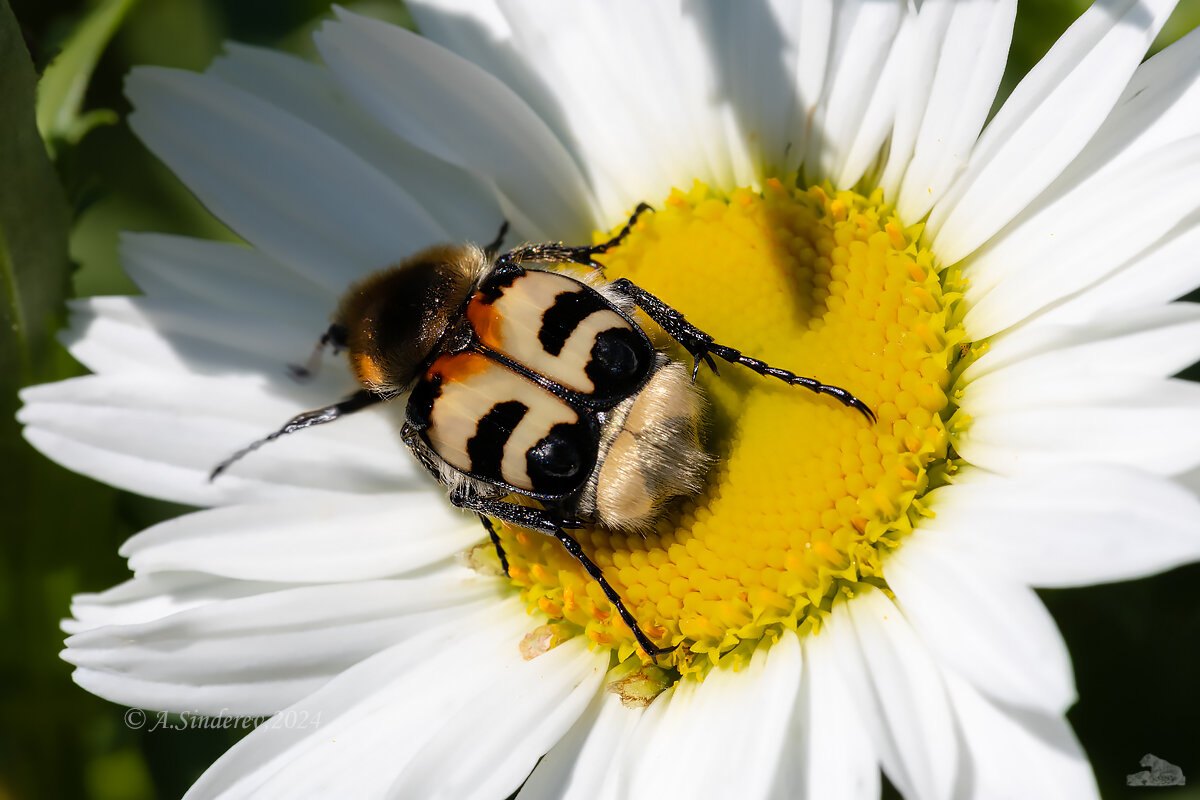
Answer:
(847, 597)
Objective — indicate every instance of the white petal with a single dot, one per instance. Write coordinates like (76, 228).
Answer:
(1045, 123)
(915, 87)
(1070, 527)
(1019, 753)
(376, 718)
(733, 109)
(1061, 249)
(455, 111)
(677, 119)
(878, 118)
(682, 57)
(900, 693)
(158, 337)
(1150, 424)
(834, 756)
(753, 50)
(661, 139)
(621, 782)
(863, 35)
(151, 597)
(283, 185)
(480, 31)
(584, 764)
(959, 60)
(162, 439)
(318, 539)
(475, 29)
(495, 743)
(257, 654)
(358, 721)
(1156, 109)
(622, 150)
(992, 630)
(724, 736)
(1190, 480)
(1154, 342)
(461, 203)
(221, 274)
(1163, 272)
(813, 23)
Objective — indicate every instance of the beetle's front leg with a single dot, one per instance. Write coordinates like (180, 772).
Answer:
(486, 521)
(702, 347)
(553, 251)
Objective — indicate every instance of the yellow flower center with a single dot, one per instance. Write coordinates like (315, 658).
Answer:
(806, 495)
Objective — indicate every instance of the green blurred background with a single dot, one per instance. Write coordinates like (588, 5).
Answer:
(1135, 645)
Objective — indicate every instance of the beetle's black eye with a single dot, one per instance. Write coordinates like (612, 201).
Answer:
(617, 364)
(560, 461)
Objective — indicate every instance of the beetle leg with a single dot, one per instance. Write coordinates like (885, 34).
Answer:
(355, 402)
(702, 347)
(550, 252)
(616, 240)
(545, 522)
(426, 457)
(522, 516)
(555, 252)
(491, 529)
(335, 336)
(572, 547)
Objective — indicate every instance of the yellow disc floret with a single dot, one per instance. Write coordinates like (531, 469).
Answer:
(807, 495)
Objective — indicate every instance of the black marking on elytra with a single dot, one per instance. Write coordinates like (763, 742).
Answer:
(560, 320)
(619, 362)
(562, 460)
(420, 402)
(495, 284)
(486, 447)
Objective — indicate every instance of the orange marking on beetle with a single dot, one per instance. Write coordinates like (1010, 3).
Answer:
(458, 366)
(485, 320)
(368, 370)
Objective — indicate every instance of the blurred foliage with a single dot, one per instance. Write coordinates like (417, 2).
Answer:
(60, 118)
(1134, 644)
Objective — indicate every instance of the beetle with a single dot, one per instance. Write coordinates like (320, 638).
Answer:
(528, 378)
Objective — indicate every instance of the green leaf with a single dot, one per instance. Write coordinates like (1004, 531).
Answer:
(33, 223)
(61, 91)
(1183, 19)
(43, 508)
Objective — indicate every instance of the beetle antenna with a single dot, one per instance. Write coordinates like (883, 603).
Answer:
(355, 402)
(493, 249)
